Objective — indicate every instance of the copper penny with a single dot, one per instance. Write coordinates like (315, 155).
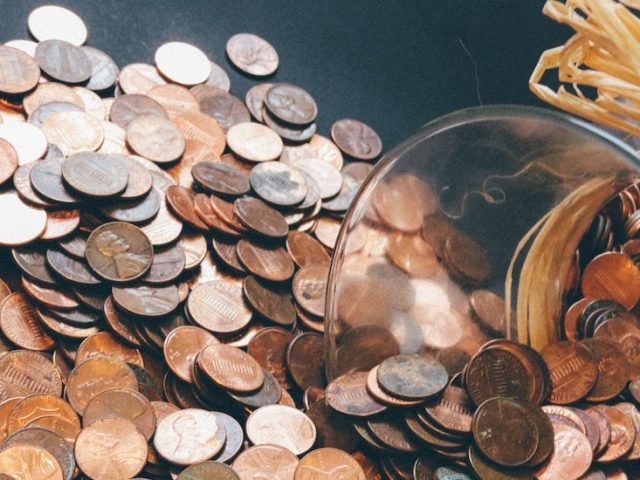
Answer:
(327, 461)
(309, 288)
(37, 406)
(5, 408)
(63, 61)
(104, 344)
(189, 436)
(25, 373)
(20, 72)
(390, 432)
(254, 99)
(252, 54)
(204, 209)
(231, 368)
(267, 461)
(269, 348)
(111, 449)
(104, 71)
(305, 250)
(182, 63)
(622, 434)
(181, 347)
(383, 397)
(74, 132)
(489, 311)
(356, 139)
(139, 78)
(226, 212)
(329, 152)
(93, 103)
(96, 175)
(333, 429)
(181, 200)
(139, 211)
(127, 108)
(348, 394)
(572, 369)
(207, 470)
(147, 301)
(603, 277)
(283, 426)
(203, 135)
(53, 22)
(175, 99)
(155, 138)
(234, 437)
(164, 229)
(20, 223)
(219, 307)
(8, 160)
(412, 254)
(61, 223)
(51, 92)
(220, 105)
(46, 180)
(613, 369)
(325, 175)
(49, 441)
(626, 334)
(291, 104)
(33, 262)
(195, 249)
(219, 78)
(305, 360)
(70, 268)
(52, 298)
(58, 327)
(260, 218)
(269, 263)
(19, 324)
(22, 183)
(604, 427)
(29, 462)
(271, 303)
(96, 375)
(119, 252)
(278, 183)
(221, 178)
(254, 142)
(631, 411)
(168, 264)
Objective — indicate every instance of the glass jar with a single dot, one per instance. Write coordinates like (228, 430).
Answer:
(469, 231)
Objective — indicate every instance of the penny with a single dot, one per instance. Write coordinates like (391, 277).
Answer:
(326, 176)
(412, 254)
(29, 462)
(189, 436)
(71, 268)
(53, 22)
(203, 207)
(489, 311)
(231, 368)
(305, 360)
(626, 334)
(181, 199)
(20, 72)
(266, 461)
(269, 348)
(219, 78)
(194, 246)
(57, 446)
(613, 369)
(342, 201)
(518, 437)
(74, 132)
(305, 250)
(95, 174)
(329, 152)
(221, 178)
(119, 252)
(104, 71)
(52, 298)
(272, 304)
(114, 138)
(19, 324)
(47, 110)
(58, 327)
(63, 61)
(291, 104)
(8, 160)
(51, 92)
(218, 307)
(254, 142)
(94, 376)
(203, 135)
(309, 288)
(622, 434)
(22, 183)
(278, 183)
(35, 407)
(268, 263)
(286, 131)
(61, 223)
(605, 274)
(147, 301)
(181, 347)
(111, 448)
(254, 99)
(412, 377)
(127, 108)
(164, 229)
(282, 426)
(206, 470)
(631, 411)
(168, 264)
(327, 461)
(139, 78)
(234, 437)
(104, 344)
(252, 54)
(122, 403)
(260, 217)
(46, 180)
(348, 394)
(356, 139)
(572, 369)
(220, 105)
(93, 104)
(486, 469)
(226, 211)
(155, 138)
(140, 211)
(29, 141)
(269, 393)
(25, 373)
(382, 397)
(20, 223)
(182, 63)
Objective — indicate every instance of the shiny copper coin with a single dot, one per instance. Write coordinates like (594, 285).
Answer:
(231, 368)
(175, 99)
(348, 394)
(61, 223)
(46, 180)
(182, 63)
(104, 71)
(155, 138)
(52, 298)
(221, 178)
(259, 217)
(204, 209)
(63, 61)
(195, 249)
(283, 426)
(105, 344)
(252, 54)
(412, 377)
(272, 304)
(267, 461)
(96, 375)
(326, 461)
(305, 250)
(226, 211)
(111, 449)
(269, 263)
(309, 288)
(189, 436)
(29, 462)
(139, 78)
(19, 324)
(269, 348)
(278, 183)
(291, 104)
(25, 373)
(203, 135)
(207, 470)
(218, 307)
(604, 276)
(49, 441)
(127, 108)
(622, 434)
(95, 174)
(626, 333)
(181, 200)
(613, 369)
(20, 72)
(254, 142)
(412, 254)
(5, 408)
(8, 160)
(19, 223)
(356, 139)
(181, 347)
(572, 369)
(147, 301)
(35, 407)
(74, 132)
(220, 105)
(119, 252)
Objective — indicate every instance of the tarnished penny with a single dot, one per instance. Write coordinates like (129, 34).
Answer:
(231, 368)
(20, 324)
(220, 105)
(189, 436)
(269, 263)
(111, 449)
(252, 54)
(356, 139)
(572, 369)
(147, 301)
(181, 199)
(63, 61)
(181, 347)
(267, 461)
(254, 142)
(182, 63)
(221, 178)
(305, 250)
(29, 462)
(278, 183)
(104, 71)
(46, 180)
(348, 394)
(613, 369)
(74, 132)
(606, 275)
(70, 268)
(206, 470)
(260, 217)
(119, 252)
(168, 264)
(283, 426)
(326, 462)
(291, 104)
(22, 183)
(234, 437)
(138, 212)
(19, 71)
(57, 446)
(127, 108)
(155, 138)
(53, 22)
(287, 131)
(219, 307)
(272, 304)
(19, 223)
(269, 348)
(95, 174)
(383, 397)
(25, 373)
(412, 376)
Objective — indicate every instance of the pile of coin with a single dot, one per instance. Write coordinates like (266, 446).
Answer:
(166, 250)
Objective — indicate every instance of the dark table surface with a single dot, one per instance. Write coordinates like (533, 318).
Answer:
(392, 64)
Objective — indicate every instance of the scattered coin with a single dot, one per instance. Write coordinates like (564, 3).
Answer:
(30, 462)
(231, 368)
(278, 183)
(183, 63)
(54, 22)
(20, 72)
(291, 104)
(155, 138)
(254, 142)
(63, 61)
(252, 54)
(356, 139)
(282, 426)
(95, 174)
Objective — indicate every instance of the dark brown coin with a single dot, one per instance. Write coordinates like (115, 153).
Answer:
(231, 368)
(412, 377)
(348, 394)
(291, 104)
(95, 174)
(272, 304)
(220, 105)
(168, 264)
(390, 431)
(453, 411)
(33, 262)
(181, 199)
(63, 61)
(356, 139)
(613, 369)
(254, 99)
(208, 470)
(287, 131)
(62, 329)
(70, 268)
(46, 180)
(309, 288)
(204, 209)
(333, 429)
(155, 138)
(278, 183)
(572, 369)
(260, 218)
(626, 333)
(147, 301)
(269, 348)
(221, 178)
(504, 432)
(138, 211)
(119, 252)
(269, 263)
(219, 307)
(227, 253)
(489, 311)
(119, 324)
(92, 298)
(19, 72)
(104, 71)
(306, 250)
(74, 245)
(466, 259)
(20, 324)
(486, 469)
(605, 274)
(126, 108)
(268, 394)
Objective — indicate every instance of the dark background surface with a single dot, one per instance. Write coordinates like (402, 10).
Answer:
(392, 64)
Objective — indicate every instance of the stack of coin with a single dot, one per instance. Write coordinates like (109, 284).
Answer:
(166, 249)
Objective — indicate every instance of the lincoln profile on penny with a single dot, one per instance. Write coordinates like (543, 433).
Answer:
(126, 263)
